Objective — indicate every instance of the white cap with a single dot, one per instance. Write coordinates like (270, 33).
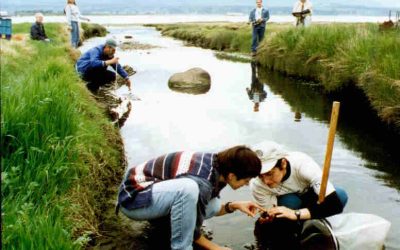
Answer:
(269, 153)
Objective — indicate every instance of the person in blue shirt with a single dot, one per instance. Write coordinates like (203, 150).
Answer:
(258, 18)
(92, 66)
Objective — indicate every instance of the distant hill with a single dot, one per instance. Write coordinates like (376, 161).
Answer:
(322, 7)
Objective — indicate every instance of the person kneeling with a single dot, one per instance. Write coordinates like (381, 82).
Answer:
(288, 189)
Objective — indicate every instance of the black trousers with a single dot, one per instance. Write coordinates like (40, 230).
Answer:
(98, 77)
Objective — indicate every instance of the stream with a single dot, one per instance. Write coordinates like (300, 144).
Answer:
(295, 113)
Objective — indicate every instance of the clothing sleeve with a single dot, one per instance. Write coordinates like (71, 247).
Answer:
(296, 7)
(80, 15)
(95, 59)
(330, 206)
(266, 16)
(310, 172)
(44, 33)
(252, 16)
(68, 14)
(261, 195)
(34, 32)
(121, 71)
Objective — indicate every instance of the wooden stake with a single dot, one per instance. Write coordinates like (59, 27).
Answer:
(329, 149)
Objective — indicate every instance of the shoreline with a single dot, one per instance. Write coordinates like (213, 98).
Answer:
(187, 18)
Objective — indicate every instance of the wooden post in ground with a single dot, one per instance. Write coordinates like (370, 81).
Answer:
(329, 149)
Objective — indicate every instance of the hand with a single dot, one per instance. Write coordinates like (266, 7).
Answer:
(282, 212)
(113, 60)
(248, 207)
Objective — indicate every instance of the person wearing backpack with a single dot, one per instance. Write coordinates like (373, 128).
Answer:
(73, 15)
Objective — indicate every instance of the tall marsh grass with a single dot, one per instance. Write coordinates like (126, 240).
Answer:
(342, 54)
(53, 137)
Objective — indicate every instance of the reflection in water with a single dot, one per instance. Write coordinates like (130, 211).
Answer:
(256, 91)
(358, 127)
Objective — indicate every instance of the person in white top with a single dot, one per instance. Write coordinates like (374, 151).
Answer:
(73, 14)
(288, 188)
(302, 11)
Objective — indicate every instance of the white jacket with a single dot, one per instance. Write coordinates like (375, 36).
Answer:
(305, 173)
(73, 14)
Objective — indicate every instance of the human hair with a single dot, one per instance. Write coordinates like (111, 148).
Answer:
(279, 164)
(71, 2)
(239, 160)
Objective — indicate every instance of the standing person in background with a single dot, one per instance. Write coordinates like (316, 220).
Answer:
(302, 10)
(258, 18)
(92, 66)
(73, 14)
(37, 29)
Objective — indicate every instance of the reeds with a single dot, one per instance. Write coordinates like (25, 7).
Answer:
(53, 138)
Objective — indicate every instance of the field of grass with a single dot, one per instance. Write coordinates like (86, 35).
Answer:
(335, 55)
(59, 151)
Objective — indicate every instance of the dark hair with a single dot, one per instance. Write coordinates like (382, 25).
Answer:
(239, 160)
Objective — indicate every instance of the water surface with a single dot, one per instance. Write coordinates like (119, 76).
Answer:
(293, 114)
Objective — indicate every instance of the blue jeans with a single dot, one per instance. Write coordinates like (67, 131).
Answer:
(177, 198)
(295, 201)
(74, 34)
(258, 35)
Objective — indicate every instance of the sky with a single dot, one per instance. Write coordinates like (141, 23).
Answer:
(89, 5)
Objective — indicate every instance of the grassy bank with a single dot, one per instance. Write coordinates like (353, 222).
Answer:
(336, 55)
(59, 152)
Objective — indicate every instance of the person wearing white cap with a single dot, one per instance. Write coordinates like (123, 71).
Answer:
(288, 188)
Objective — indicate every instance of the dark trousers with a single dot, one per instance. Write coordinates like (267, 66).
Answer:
(258, 35)
(96, 78)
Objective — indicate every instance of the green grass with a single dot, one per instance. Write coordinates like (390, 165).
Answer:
(56, 146)
(336, 55)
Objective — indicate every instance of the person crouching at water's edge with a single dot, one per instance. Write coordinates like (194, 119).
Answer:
(92, 66)
(186, 187)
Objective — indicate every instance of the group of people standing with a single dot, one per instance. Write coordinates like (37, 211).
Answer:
(302, 11)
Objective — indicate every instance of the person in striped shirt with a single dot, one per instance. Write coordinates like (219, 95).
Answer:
(186, 186)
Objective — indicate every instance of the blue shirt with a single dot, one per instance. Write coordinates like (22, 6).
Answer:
(95, 58)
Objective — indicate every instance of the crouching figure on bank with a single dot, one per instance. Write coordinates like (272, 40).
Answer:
(185, 186)
(288, 188)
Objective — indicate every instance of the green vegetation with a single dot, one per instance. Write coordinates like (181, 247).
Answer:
(336, 55)
(59, 152)
(93, 30)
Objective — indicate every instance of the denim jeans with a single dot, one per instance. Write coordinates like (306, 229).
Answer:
(177, 198)
(258, 35)
(295, 201)
(74, 34)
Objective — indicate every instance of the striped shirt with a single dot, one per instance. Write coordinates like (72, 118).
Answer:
(135, 190)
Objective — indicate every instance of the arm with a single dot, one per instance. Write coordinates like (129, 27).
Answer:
(82, 17)
(247, 207)
(68, 14)
(95, 59)
(252, 16)
(34, 32)
(329, 207)
(266, 16)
